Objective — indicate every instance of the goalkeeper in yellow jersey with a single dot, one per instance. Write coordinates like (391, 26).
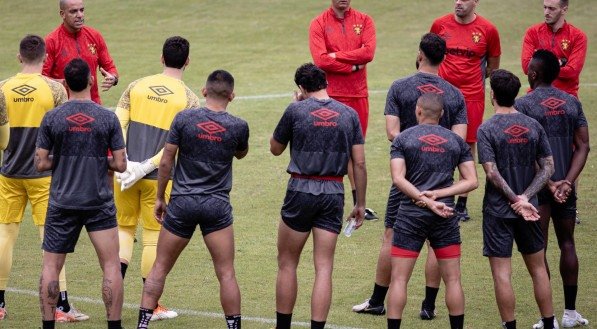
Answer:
(146, 110)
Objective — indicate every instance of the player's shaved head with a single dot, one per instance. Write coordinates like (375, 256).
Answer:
(32, 49)
(505, 86)
(544, 67)
(310, 77)
(220, 85)
(433, 47)
(63, 4)
(176, 52)
(77, 74)
(431, 105)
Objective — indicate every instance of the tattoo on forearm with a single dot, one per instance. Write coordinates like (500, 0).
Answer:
(107, 295)
(498, 181)
(541, 177)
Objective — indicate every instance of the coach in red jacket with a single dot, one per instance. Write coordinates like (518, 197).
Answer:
(72, 39)
(342, 42)
(566, 41)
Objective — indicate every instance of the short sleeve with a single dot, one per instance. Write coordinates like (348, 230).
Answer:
(465, 151)
(3, 111)
(392, 107)
(460, 117)
(44, 134)
(581, 120)
(174, 134)
(358, 132)
(485, 149)
(116, 137)
(494, 48)
(244, 138)
(283, 131)
(397, 149)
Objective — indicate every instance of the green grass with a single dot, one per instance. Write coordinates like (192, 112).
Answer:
(261, 42)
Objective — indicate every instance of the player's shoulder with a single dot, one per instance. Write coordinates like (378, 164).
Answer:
(404, 81)
(484, 22)
(321, 18)
(88, 30)
(575, 30)
(54, 85)
(54, 34)
(447, 18)
(359, 14)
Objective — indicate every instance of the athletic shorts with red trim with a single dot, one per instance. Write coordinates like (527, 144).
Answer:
(361, 106)
(474, 114)
(410, 233)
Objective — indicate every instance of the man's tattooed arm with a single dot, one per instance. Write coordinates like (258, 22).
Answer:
(544, 172)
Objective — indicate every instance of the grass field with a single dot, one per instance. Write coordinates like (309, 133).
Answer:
(261, 42)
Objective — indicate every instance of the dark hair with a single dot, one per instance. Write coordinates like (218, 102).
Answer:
(220, 84)
(546, 64)
(433, 47)
(175, 52)
(432, 105)
(505, 86)
(76, 74)
(563, 3)
(310, 77)
(32, 49)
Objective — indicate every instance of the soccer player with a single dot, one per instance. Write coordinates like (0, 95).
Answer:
(73, 39)
(400, 115)
(566, 41)
(473, 52)
(342, 42)
(515, 154)
(78, 134)
(24, 99)
(146, 110)
(562, 117)
(207, 140)
(323, 135)
(424, 158)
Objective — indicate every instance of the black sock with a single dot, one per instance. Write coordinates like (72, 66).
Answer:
(50, 324)
(317, 324)
(394, 323)
(116, 324)
(379, 295)
(144, 317)
(63, 303)
(457, 321)
(233, 321)
(2, 302)
(354, 197)
(461, 202)
(430, 296)
(510, 324)
(123, 267)
(570, 297)
(548, 322)
(283, 320)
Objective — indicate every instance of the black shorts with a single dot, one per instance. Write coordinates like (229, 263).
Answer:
(566, 210)
(392, 206)
(304, 211)
(63, 226)
(500, 233)
(185, 212)
(411, 232)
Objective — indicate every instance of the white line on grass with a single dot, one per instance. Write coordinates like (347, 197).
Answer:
(180, 311)
(288, 95)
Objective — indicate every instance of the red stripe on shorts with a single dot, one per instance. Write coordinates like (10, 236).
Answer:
(404, 253)
(452, 251)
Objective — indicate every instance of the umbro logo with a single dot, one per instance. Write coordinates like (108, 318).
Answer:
(553, 105)
(24, 90)
(517, 131)
(433, 141)
(211, 128)
(160, 91)
(325, 115)
(79, 120)
(429, 88)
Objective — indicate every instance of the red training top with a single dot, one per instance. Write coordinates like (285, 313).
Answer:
(88, 44)
(352, 39)
(568, 42)
(468, 47)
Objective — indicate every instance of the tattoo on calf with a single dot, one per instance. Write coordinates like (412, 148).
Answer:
(107, 295)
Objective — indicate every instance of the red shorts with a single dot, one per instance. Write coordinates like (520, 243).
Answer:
(474, 114)
(361, 106)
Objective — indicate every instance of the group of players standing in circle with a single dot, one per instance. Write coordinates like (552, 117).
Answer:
(173, 163)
